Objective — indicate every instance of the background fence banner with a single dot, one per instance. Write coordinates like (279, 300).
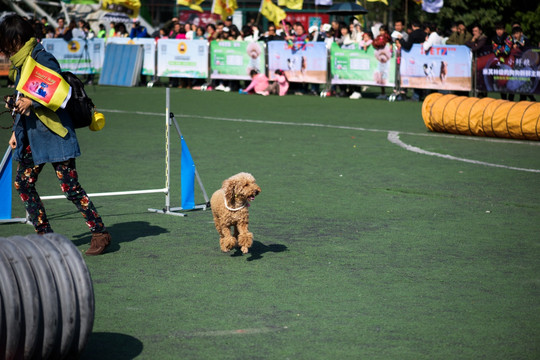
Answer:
(182, 58)
(149, 55)
(301, 61)
(80, 56)
(518, 73)
(443, 67)
(363, 67)
(236, 59)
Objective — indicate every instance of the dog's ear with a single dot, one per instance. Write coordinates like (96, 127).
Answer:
(228, 187)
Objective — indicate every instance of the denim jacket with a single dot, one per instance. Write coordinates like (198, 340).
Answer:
(29, 130)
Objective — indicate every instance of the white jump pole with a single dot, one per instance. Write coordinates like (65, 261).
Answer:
(167, 208)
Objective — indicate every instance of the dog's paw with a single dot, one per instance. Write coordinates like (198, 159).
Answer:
(245, 249)
(227, 244)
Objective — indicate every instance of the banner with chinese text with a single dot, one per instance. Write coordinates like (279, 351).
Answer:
(236, 59)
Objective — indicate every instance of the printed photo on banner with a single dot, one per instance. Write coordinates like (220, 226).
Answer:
(517, 73)
(301, 61)
(236, 59)
(43, 85)
(149, 53)
(182, 58)
(442, 67)
(363, 67)
(79, 56)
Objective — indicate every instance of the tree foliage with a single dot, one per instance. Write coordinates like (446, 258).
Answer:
(486, 13)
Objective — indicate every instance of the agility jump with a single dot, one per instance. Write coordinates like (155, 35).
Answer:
(188, 175)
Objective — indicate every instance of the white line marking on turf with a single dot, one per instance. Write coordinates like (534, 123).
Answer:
(462, 137)
(393, 137)
(248, 331)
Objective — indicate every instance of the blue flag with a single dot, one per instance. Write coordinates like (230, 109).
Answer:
(5, 186)
(187, 172)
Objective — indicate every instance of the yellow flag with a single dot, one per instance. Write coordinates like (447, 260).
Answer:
(43, 85)
(292, 4)
(224, 8)
(192, 4)
(272, 12)
(129, 7)
(383, 1)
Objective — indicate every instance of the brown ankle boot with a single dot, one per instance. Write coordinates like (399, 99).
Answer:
(98, 243)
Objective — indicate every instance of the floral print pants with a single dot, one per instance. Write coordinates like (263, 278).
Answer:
(25, 181)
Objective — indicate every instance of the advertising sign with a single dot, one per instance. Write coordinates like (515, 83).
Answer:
(442, 67)
(236, 59)
(182, 58)
(80, 56)
(363, 67)
(301, 61)
(517, 73)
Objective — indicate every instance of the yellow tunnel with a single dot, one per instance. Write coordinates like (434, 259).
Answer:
(482, 117)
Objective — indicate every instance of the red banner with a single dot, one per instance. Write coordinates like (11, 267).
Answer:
(308, 19)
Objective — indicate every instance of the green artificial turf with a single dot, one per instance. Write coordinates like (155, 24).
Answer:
(362, 250)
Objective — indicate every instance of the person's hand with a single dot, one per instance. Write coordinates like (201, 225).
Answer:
(13, 141)
(22, 106)
(10, 101)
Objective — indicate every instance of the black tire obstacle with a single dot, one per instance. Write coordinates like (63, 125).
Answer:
(46, 298)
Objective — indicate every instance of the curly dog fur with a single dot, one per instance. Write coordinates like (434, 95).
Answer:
(230, 209)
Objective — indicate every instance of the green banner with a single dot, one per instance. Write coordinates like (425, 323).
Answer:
(236, 59)
(363, 67)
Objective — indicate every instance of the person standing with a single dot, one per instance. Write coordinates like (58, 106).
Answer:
(480, 46)
(479, 42)
(417, 36)
(460, 36)
(41, 135)
(61, 28)
(501, 45)
(102, 33)
(399, 31)
(138, 31)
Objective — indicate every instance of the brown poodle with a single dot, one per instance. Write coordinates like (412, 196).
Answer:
(230, 208)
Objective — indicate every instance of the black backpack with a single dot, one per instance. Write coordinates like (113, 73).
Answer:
(80, 107)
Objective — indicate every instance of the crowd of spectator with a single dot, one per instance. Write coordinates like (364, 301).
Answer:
(347, 35)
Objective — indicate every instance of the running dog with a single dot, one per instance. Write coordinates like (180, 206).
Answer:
(230, 209)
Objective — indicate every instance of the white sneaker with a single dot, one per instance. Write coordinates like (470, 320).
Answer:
(355, 95)
(220, 87)
(227, 89)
